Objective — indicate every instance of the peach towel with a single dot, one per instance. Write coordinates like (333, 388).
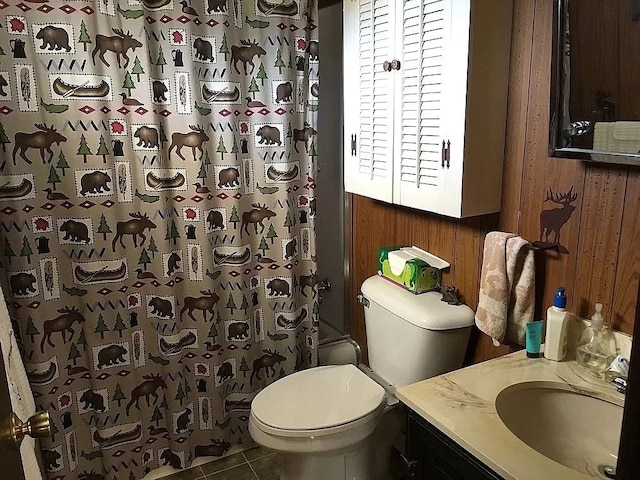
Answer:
(507, 288)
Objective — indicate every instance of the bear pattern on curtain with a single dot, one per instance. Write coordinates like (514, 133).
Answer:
(157, 210)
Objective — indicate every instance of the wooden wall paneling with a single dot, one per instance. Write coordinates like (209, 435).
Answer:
(627, 276)
(597, 255)
(355, 273)
(411, 227)
(441, 235)
(469, 245)
(358, 262)
(517, 106)
(481, 347)
(373, 227)
(542, 173)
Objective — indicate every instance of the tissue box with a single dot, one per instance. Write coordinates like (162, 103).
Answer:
(411, 267)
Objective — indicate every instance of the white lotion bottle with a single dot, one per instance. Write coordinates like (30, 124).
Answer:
(555, 344)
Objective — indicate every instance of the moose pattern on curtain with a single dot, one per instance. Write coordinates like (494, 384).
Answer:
(156, 219)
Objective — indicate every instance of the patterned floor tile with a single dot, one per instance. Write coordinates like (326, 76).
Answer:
(268, 468)
(189, 474)
(241, 472)
(223, 463)
(255, 453)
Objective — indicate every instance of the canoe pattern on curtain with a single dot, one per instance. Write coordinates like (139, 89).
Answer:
(156, 219)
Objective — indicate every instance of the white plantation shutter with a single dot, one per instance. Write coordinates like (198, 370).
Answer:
(419, 173)
(446, 99)
(369, 91)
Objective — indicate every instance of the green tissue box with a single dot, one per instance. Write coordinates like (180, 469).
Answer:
(411, 267)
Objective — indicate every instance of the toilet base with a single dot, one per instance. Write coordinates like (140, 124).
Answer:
(354, 465)
(368, 460)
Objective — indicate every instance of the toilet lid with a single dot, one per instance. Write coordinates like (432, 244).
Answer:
(320, 397)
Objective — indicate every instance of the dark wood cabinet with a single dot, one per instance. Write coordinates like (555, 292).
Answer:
(434, 456)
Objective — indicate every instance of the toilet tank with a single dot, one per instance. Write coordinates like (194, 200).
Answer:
(413, 337)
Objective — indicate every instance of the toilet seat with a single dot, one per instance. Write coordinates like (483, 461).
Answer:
(317, 402)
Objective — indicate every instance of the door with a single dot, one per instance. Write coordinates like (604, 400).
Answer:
(369, 42)
(423, 40)
(10, 458)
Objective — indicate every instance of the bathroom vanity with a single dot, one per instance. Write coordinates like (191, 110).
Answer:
(513, 418)
(436, 457)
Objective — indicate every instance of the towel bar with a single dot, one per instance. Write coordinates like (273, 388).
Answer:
(555, 247)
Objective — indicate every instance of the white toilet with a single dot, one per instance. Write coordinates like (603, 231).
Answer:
(328, 422)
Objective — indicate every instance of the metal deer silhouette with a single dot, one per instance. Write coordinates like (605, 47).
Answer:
(553, 219)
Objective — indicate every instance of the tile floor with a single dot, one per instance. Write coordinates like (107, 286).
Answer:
(254, 464)
(257, 463)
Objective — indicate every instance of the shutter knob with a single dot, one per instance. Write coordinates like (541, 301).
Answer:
(387, 65)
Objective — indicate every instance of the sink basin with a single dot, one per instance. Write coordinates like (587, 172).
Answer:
(569, 427)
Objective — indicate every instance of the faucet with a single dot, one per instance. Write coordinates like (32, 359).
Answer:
(617, 373)
(620, 383)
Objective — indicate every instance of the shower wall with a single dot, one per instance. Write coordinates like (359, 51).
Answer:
(329, 192)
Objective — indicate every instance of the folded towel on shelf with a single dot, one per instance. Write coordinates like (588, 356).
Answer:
(507, 288)
(621, 137)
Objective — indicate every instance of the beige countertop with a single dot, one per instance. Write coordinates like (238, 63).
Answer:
(462, 405)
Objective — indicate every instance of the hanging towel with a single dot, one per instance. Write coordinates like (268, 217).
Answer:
(507, 288)
(22, 401)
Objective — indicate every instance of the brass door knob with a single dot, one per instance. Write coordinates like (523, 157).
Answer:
(36, 426)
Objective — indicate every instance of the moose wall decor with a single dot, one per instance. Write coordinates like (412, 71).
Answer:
(552, 220)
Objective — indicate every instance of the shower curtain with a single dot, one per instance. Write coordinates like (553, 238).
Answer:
(156, 219)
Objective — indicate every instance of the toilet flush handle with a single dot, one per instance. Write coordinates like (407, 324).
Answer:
(362, 300)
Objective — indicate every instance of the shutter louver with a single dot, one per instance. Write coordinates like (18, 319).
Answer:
(422, 118)
(376, 116)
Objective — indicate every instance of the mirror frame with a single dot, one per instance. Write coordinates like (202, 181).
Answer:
(628, 458)
(555, 111)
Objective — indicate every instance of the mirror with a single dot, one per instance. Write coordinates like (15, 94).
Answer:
(595, 84)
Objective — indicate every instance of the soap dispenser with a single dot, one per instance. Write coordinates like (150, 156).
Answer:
(555, 343)
(597, 346)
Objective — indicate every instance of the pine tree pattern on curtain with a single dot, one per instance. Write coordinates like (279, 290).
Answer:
(157, 219)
